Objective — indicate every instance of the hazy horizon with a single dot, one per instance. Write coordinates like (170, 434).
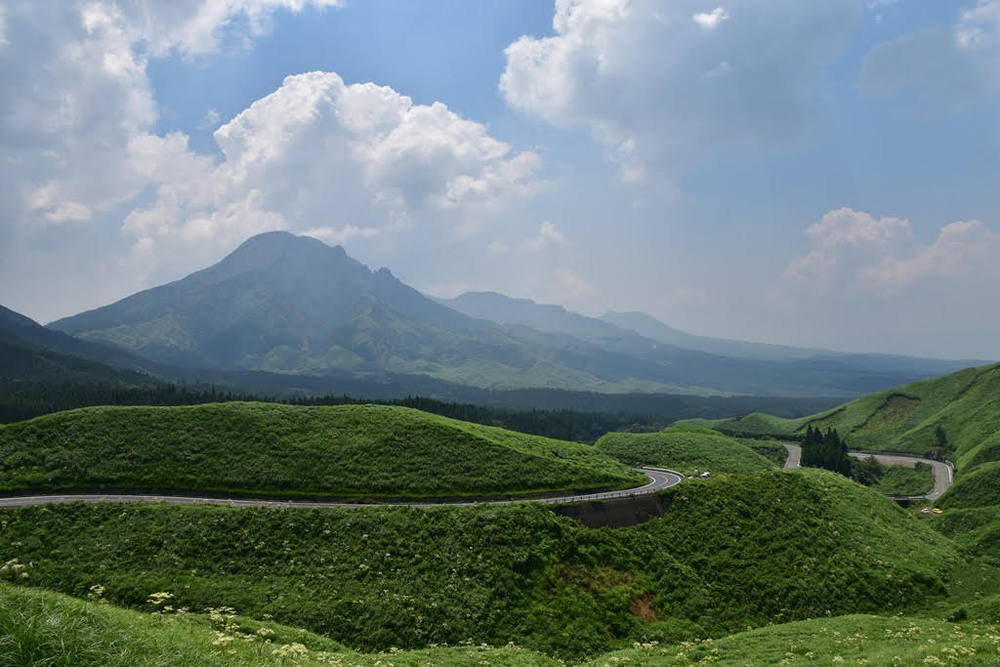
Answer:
(811, 174)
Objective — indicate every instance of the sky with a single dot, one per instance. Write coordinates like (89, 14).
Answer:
(810, 172)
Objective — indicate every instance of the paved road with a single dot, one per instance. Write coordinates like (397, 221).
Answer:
(943, 473)
(658, 480)
(794, 455)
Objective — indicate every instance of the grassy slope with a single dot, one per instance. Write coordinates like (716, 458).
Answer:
(687, 449)
(904, 481)
(966, 404)
(48, 628)
(44, 628)
(729, 553)
(856, 639)
(268, 449)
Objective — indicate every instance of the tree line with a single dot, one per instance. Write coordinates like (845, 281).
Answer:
(23, 400)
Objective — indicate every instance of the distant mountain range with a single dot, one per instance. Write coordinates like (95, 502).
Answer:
(293, 306)
(31, 353)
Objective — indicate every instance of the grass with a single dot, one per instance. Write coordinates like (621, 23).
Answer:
(772, 450)
(966, 405)
(730, 552)
(978, 488)
(686, 449)
(963, 406)
(848, 640)
(45, 628)
(897, 480)
(261, 449)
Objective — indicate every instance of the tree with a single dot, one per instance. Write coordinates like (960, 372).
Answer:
(825, 450)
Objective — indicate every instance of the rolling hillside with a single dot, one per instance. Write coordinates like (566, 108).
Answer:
(732, 552)
(262, 449)
(956, 417)
(958, 414)
(44, 628)
(51, 628)
(31, 353)
(686, 449)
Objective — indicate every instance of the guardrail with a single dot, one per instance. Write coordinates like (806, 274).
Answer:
(645, 490)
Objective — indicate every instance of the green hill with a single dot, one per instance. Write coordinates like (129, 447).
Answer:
(849, 640)
(686, 449)
(731, 552)
(958, 414)
(41, 627)
(44, 628)
(279, 450)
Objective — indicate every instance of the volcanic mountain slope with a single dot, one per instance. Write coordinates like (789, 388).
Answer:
(294, 305)
(763, 367)
(31, 353)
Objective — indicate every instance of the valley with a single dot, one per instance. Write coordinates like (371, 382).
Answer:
(422, 531)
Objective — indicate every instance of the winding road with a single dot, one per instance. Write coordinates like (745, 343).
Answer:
(944, 474)
(658, 480)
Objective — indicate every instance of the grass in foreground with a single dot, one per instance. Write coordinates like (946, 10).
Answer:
(686, 449)
(847, 640)
(266, 449)
(44, 628)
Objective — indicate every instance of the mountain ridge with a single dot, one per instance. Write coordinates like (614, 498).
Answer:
(294, 305)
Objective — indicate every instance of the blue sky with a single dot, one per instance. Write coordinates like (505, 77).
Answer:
(816, 173)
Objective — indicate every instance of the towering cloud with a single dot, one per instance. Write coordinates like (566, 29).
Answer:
(663, 85)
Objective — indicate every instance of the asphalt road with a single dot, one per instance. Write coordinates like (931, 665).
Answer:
(658, 480)
(943, 473)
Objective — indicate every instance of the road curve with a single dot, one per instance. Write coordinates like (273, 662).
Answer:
(943, 473)
(658, 480)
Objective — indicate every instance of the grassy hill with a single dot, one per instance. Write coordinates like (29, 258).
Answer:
(731, 552)
(855, 639)
(279, 450)
(44, 628)
(957, 416)
(965, 405)
(41, 627)
(686, 449)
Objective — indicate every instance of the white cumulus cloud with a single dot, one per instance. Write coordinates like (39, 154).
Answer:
(711, 20)
(339, 161)
(663, 87)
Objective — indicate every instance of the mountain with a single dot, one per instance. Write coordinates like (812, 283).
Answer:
(545, 318)
(295, 306)
(650, 327)
(31, 353)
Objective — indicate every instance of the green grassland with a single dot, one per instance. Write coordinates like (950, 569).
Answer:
(44, 628)
(966, 405)
(262, 449)
(849, 640)
(772, 450)
(730, 552)
(898, 480)
(686, 449)
(956, 416)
